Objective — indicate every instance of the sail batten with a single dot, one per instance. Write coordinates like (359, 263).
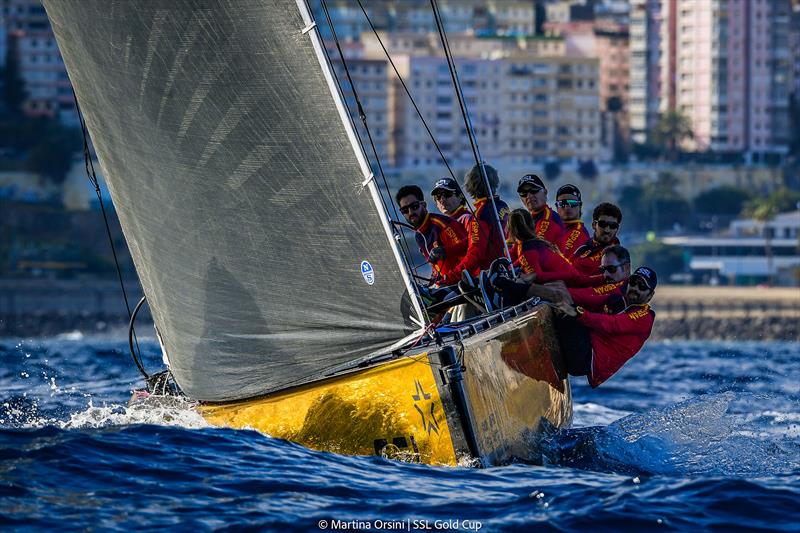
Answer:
(238, 184)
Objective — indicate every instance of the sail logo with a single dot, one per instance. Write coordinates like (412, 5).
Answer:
(367, 272)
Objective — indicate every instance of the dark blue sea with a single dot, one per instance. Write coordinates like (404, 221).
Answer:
(689, 436)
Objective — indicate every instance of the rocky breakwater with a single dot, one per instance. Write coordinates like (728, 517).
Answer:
(727, 313)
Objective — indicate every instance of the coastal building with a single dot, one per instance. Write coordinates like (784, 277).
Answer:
(371, 80)
(724, 65)
(645, 83)
(752, 252)
(49, 92)
(607, 42)
(478, 17)
(525, 109)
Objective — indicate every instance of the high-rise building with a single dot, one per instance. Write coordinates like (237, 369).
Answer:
(49, 92)
(645, 83)
(725, 66)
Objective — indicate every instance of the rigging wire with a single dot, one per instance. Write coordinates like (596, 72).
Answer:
(414, 103)
(90, 173)
(467, 120)
(363, 116)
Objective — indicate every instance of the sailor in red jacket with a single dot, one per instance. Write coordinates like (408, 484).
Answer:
(606, 220)
(533, 194)
(597, 345)
(569, 204)
(610, 296)
(451, 202)
(532, 254)
(442, 240)
(485, 240)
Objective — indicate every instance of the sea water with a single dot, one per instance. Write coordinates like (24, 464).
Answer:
(688, 436)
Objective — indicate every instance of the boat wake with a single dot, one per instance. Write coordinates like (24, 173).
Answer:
(20, 412)
(725, 434)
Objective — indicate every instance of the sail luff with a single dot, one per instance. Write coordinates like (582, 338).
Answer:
(312, 30)
(237, 188)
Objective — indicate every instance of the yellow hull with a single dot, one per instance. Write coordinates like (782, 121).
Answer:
(424, 407)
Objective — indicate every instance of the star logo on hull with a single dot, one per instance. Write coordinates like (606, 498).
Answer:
(429, 422)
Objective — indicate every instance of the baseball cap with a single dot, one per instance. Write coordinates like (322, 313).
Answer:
(531, 180)
(446, 184)
(648, 275)
(569, 189)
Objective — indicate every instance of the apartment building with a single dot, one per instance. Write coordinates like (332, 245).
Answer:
(40, 64)
(725, 66)
(607, 41)
(481, 17)
(372, 83)
(524, 108)
(645, 81)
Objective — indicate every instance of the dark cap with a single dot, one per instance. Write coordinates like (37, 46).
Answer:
(648, 275)
(531, 180)
(446, 184)
(569, 189)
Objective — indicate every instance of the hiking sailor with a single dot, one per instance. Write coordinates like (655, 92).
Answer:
(451, 202)
(533, 194)
(569, 204)
(597, 345)
(485, 243)
(441, 239)
(606, 219)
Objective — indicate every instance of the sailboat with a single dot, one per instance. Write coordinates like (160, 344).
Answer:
(279, 292)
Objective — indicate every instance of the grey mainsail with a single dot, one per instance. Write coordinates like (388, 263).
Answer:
(240, 188)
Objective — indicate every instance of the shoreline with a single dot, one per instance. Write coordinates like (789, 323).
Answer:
(682, 312)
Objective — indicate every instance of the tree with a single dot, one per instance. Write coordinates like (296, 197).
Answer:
(52, 155)
(724, 200)
(587, 169)
(14, 94)
(673, 128)
(663, 258)
(765, 208)
(552, 170)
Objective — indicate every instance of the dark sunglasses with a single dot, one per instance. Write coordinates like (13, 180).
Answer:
(443, 194)
(525, 192)
(611, 269)
(410, 207)
(569, 203)
(638, 283)
(603, 224)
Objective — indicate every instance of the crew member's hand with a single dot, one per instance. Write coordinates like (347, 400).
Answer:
(567, 309)
(528, 278)
(437, 254)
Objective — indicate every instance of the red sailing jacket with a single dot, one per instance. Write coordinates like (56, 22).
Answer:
(484, 244)
(586, 259)
(463, 216)
(549, 225)
(503, 211)
(440, 230)
(575, 235)
(549, 265)
(607, 299)
(616, 338)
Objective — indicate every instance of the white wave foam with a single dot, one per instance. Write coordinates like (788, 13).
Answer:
(592, 414)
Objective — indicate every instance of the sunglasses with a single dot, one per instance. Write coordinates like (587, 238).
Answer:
(443, 194)
(569, 203)
(525, 192)
(638, 283)
(612, 269)
(410, 207)
(603, 224)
